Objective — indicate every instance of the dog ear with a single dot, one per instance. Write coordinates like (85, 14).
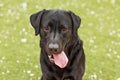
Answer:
(75, 22)
(35, 20)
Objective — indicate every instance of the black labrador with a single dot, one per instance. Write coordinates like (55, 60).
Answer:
(62, 55)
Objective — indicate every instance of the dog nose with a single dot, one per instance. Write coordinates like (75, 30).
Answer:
(53, 47)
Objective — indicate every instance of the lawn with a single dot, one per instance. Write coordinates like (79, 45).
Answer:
(100, 31)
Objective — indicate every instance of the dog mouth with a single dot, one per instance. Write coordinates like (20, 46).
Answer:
(59, 59)
(51, 58)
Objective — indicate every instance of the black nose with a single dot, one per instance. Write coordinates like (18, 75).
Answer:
(53, 47)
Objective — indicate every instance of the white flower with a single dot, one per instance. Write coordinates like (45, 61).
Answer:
(23, 40)
(118, 79)
(24, 5)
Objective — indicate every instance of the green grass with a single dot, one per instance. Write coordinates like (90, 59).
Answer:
(100, 31)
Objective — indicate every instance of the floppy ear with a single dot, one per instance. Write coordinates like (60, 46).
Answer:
(75, 22)
(35, 20)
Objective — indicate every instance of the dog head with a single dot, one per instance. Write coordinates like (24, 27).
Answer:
(56, 28)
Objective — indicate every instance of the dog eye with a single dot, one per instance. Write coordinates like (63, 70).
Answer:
(64, 30)
(46, 29)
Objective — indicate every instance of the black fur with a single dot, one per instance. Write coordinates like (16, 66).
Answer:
(59, 27)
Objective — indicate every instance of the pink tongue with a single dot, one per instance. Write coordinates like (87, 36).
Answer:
(60, 59)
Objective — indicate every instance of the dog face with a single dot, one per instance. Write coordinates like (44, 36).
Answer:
(56, 28)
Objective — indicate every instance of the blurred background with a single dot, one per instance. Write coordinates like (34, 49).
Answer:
(100, 31)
